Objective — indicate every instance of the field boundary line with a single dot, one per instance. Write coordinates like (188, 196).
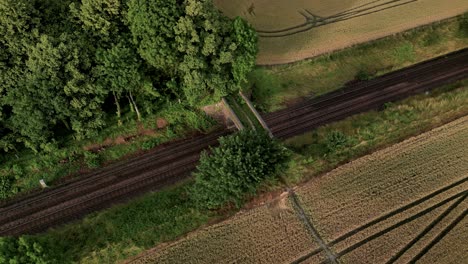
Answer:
(332, 258)
(439, 236)
(307, 256)
(427, 229)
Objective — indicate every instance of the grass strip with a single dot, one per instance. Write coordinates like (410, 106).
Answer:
(328, 146)
(126, 230)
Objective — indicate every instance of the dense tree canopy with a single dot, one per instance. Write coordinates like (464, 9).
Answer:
(61, 62)
(236, 167)
(203, 52)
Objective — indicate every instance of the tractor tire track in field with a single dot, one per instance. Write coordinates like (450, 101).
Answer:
(165, 166)
(426, 230)
(460, 196)
(332, 258)
(440, 236)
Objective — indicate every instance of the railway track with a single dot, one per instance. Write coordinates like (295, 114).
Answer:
(170, 163)
(367, 95)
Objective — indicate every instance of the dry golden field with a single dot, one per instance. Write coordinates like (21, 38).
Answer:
(394, 203)
(268, 234)
(452, 248)
(292, 30)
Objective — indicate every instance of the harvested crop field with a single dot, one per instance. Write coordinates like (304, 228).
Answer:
(296, 29)
(267, 234)
(392, 205)
(451, 248)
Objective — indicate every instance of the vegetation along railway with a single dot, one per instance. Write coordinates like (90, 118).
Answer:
(173, 162)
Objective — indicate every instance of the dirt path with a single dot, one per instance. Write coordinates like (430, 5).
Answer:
(310, 227)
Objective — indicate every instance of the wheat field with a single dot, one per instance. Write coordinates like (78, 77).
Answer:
(395, 202)
(293, 30)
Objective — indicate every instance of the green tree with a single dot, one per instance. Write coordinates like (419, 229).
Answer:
(205, 54)
(101, 18)
(236, 167)
(119, 69)
(152, 24)
(23, 250)
(217, 52)
(56, 88)
(18, 25)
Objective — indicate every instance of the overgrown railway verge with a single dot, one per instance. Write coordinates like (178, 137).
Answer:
(173, 163)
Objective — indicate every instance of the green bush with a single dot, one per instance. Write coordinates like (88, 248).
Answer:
(264, 84)
(237, 167)
(463, 27)
(405, 53)
(91, 159)
(336, 140)
(179, 114)
(431, 39)
(6, 182)
(363, 75)
(150, 143)
(23, 250)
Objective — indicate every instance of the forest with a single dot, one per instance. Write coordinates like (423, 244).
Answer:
(66, 66)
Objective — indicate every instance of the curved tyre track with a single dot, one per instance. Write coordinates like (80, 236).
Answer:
(174, 162)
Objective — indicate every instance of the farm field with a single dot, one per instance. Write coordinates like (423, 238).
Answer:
(267, 234)
(451, 248)
(393, 203)
(294, 30)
